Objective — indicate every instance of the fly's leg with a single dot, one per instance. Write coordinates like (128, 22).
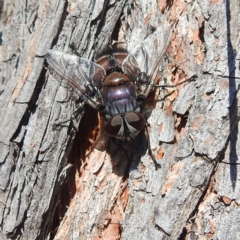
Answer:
(175, 85)
(157, 165)
(161, 98)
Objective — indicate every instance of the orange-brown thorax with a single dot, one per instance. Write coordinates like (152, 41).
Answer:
(115, 79)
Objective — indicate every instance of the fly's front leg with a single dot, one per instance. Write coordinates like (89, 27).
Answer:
(175, 85)
(156, 164)
(164, 96)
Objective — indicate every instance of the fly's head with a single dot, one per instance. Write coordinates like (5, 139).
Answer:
(126, 125)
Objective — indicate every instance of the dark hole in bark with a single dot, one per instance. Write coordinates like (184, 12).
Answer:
(116, 30)
(183, 234)
(169, 3)
(201, 32)
(87, 131)
(183, 121)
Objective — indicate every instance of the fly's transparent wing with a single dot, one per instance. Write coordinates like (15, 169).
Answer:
(144, 60)
(136, 62)
(82, 74)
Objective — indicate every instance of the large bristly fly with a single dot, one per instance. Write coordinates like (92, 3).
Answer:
(115, 83)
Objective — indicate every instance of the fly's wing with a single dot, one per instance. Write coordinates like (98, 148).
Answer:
(82, 74)
(143, 62)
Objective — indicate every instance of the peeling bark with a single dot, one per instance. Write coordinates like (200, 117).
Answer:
(62, 177)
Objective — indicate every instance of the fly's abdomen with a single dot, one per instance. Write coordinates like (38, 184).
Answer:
(120, 106)
(119, 99)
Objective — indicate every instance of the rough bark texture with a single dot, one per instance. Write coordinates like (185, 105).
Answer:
(58, 182)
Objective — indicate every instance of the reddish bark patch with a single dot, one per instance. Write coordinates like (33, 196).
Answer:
(112, 232)
(169, 110)
(160, 127)
(113, 229)
(211, 192)
(124, 198)
(161, 5)
(171, 177)
(223, 83)
(196, 122)
(136, 182)
(212, 229)
(215, 1)
(176, 10)
(208, 140)
(21, 81)
(227, 201)
(160, 154)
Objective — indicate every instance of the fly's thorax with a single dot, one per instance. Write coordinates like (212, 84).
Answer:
(115, 79)
(111, 60)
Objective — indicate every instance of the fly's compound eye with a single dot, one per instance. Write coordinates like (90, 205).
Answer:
(114, 126)
(128, 125)
(135, 122)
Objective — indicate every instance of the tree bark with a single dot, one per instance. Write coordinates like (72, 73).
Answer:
(62, 177)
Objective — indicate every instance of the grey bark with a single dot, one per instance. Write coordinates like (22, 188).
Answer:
(55, 187)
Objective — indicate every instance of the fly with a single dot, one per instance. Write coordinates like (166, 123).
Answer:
(116, 83)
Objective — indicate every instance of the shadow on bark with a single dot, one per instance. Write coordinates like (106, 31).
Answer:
(125, 157)
(233, 158)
